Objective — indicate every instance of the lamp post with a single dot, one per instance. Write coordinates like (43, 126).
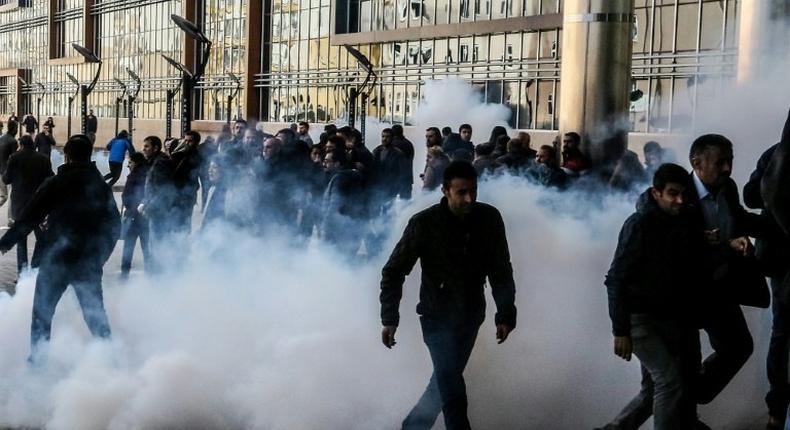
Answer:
(232, 95)
(189, 80)
(71, 102)
(363, 89)
(85, 90)
(171, 94)
(40, 96)
(132, 98)
(118, 101)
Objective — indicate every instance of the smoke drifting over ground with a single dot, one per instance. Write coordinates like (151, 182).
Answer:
(265, 334)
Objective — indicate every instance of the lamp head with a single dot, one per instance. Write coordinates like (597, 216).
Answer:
(133, 75)
(73, 79)
(190, 29)
(363, 60)
(181, 68)
(87, 53)
(120, 83)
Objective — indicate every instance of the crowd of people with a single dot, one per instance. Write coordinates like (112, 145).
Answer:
(684, 260)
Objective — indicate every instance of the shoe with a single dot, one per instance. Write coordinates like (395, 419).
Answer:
(701, 426)
(774, 423)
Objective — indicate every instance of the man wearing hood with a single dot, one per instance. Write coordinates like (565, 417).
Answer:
(83, 225)
(653, 289)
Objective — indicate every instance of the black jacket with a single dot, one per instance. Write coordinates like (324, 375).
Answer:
(457, 148)
(160, 192)
(389, 172)
(775, 188)
(8, 145)
(773, 251)
(656, 268)
(27, 170)
(134, 190)
(83, 222)
(44, 144)
(456, 257)
(736, 278)
(91, 123)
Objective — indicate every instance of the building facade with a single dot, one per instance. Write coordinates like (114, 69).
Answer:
(292, 65)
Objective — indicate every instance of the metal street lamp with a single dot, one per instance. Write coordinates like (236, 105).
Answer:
(132, 98)
(40, 96)
(118, 101)
(71, 102)
(232, 95)
(171, 94)
(189, 80)
(85, 90)
(363, 89)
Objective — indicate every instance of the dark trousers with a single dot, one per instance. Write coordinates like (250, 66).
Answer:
(52, 281)
(732, 345)
(778, 396)
(138, 228)
(669, 356)
(21, 252)
(115, 173)
(450, 345)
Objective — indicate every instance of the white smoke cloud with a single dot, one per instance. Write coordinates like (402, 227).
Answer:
(265, 334)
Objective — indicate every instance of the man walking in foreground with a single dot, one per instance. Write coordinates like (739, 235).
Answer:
(82, 226)
(654, 290)
(459, 242)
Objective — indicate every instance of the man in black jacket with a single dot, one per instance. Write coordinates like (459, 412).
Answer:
(135, 224)
(82, 226)
(26, 171)
(726, 226)
(45, 141)
(158, 198)
(8, 145)
(407, 148)
(389, 171)
(773, 253)
(459, 242)
(91, 126)
(654, 286)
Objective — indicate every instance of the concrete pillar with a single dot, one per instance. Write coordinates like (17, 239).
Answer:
(596, 75)
(762, 37)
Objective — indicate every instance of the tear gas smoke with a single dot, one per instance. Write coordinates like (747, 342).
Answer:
(265, 334)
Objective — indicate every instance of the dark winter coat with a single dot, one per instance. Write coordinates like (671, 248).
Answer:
(27, 170)
(656, 268)
(456, 257)
(407, 148)
(548, 176)
(389, 172)
(457, 148)
(341, 204)
(44, 144)
(134, 190)
(775, 187)
(91, 124)
(8, 145)
(773, 251)
(737, 278)
(186, 169)
(515, 162)
(160, 192)
(83, 222)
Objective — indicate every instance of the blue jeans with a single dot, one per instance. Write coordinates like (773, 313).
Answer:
(51, 283)
(450, 345)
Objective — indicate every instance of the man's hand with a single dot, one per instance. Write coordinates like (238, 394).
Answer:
(623, 347)
(742, 245)
(388, 335)
(712, 236)
(502, 332)
(141, 209)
